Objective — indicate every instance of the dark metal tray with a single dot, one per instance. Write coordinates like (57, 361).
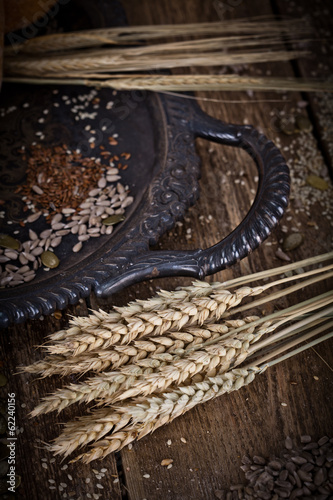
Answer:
(159, 131)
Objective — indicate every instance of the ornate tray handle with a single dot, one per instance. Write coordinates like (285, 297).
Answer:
(267, 209)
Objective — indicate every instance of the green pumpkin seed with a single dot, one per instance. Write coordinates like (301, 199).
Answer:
(3, 424)
(3, 380)
(3, 468)
(7, 241)
(303, 123)
(317, 182)
(292, 241)
(49, 259)
(287, 127)
(113, 219)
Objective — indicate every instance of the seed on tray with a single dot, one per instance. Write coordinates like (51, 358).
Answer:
(56, 241)
(45, 234)
(37, 189)
(33, 217)
(77, 247)
(113, 219)
(58, 186)
(56, 218)
(49, 259)
(68, 211)
(7, 241)
(62, 232)
(23, 259)
(84, 237)
(11, 254)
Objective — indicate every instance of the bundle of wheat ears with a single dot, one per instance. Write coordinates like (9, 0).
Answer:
(155, 359)
(108, 57)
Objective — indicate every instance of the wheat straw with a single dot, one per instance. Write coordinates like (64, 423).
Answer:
(167, 369)
(143, 318)
(258, 26)
(63, 66)
(183, 83)
(165, 376)
(100, 329)
(142, 415)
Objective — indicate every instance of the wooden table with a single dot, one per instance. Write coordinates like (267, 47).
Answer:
(207, 443)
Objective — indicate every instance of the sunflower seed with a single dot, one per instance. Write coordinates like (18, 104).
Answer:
(29, 277)
(103, 203)
(37, 251)
(77, 247)
(45, 234)
(113, 178)
(33, 217)
(23, 259)
(68, 211)
(58, 225)
(85, 205)
(84, 219)
(62, 232)
(128, 201)
(4, 281)
(102, 182)
(82, 229)
(23, 269)
(112, 171)
(32, 235)
(93, 230)
(11, 267)
(84, 237)
(34, 244)
(56, 218)
(94, 192)
(56, 241)
(37, 189)
(69, 225)
(12, 254)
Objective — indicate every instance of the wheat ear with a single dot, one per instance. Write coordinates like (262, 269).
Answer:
(156, 411)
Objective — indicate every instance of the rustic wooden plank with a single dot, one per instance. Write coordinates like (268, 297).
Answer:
(34, 463)
(252, 420)
(319, 65)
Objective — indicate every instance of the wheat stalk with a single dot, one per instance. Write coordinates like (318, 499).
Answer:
(182, 83)
(167, 375)
(156, 411)
(78, 357)
(113, 428)
(161, 370)
(165, 369)
(198, 304)
(259, 26)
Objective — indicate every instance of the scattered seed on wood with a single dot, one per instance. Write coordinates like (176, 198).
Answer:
(166, 461)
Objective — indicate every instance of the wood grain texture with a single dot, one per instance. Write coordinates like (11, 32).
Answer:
(220, 432)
